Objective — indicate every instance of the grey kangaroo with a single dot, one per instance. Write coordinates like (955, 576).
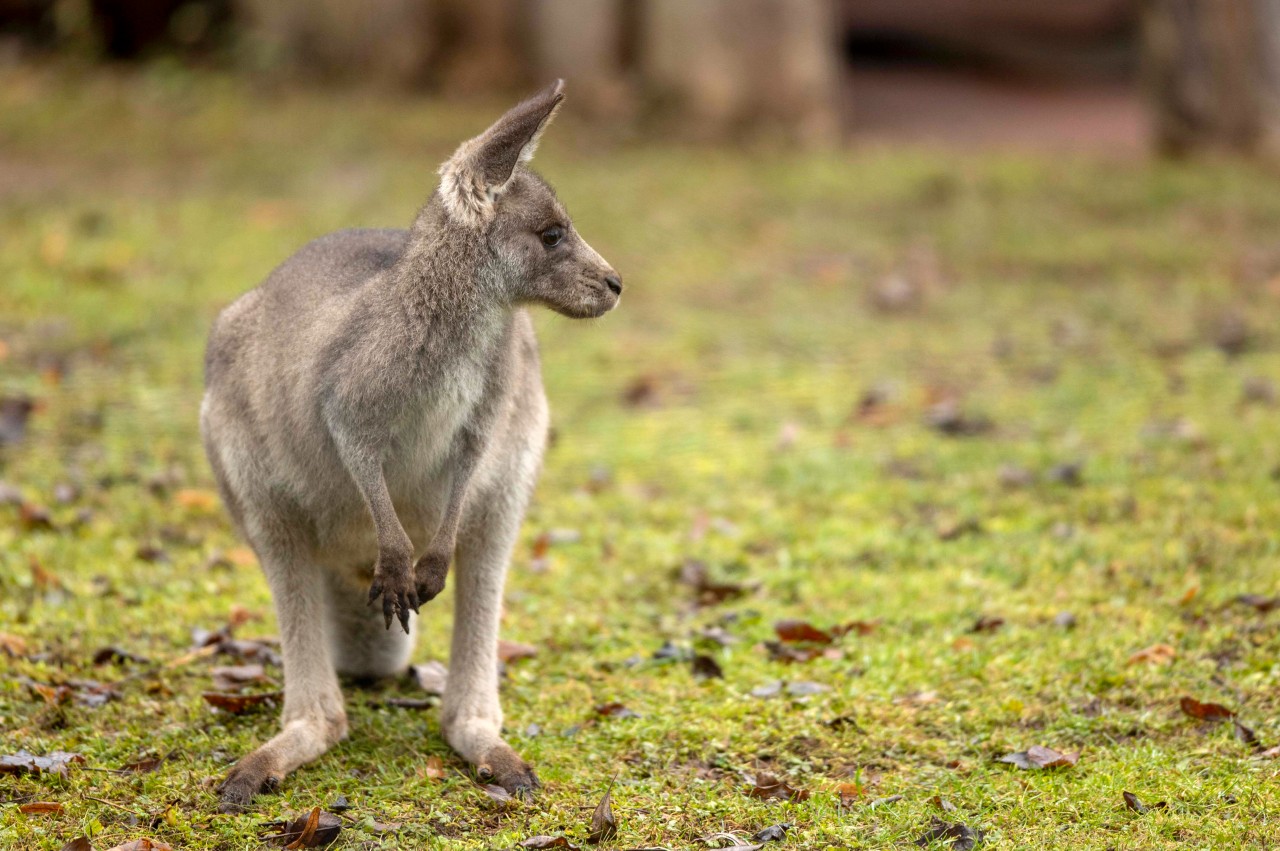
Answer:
(373, 411)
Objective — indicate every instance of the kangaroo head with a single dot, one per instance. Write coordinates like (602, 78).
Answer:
(485, 187)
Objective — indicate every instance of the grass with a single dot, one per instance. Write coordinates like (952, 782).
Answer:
(1080, 307)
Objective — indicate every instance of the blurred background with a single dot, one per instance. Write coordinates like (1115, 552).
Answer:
(1107, 74)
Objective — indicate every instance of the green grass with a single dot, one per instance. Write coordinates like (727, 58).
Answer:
(1072, 302)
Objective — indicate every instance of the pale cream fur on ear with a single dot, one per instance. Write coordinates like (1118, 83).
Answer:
(468, 198)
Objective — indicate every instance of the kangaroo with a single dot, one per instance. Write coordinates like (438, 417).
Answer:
(373, 411)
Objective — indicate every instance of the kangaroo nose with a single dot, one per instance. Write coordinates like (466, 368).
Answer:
(614, 283)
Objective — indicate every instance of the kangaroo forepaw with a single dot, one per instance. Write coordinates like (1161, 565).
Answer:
(431, 571)
(399, 593)
(246, 779)
(503, 767)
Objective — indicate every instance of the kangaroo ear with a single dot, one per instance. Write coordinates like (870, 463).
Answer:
(472, 179)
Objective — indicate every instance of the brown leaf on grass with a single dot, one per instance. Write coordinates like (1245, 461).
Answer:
(152, 553)
(314, 829)
(1134, 803)
(406, 703)
(1259, 603)
(36, 518)
(1205, 711)
(707, 592)
(1156, 654)
(547, 842)
(641, 392)
(40, 808)
(80, 843)
(431, 676)
(961, 837)
(603, 824)
(1246, 735)
(801, 632)
(232, 678)
(1270, 753)
(24, 762)
(498, 794)
(767, 787)
(772, 833)
(513, 651)
(118, 655)
(143, 766)
(780, 652)
(706, 668)
(14, 413)
(196, 499)
(12, 645)
(433, 768)
(615, 710)
(987, 623)
(947, 417)
(851, 793)
(142, 845)
(1037, 757)
(239, 703)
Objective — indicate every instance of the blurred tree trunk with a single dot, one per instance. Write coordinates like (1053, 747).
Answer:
(592, 46)
(462, 46)
(727, 65)
(1212, 72)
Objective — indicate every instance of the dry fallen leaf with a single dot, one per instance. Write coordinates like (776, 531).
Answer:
(1156, 654)
(615, 710)
(201, 500)
(961, 837)
(80, 843)
(40, 808)
(603, 824)
(315, 829)
(1247, 736)
(143, 766)
(547, 842)
(238, 703)
(987, 623)
(431, 677)
(767, 786)
(12, 645)
(118, 656)
(497, 793)
(24, 762)
(706, 668)
(142, 845)
(796, 632)
(1205, 711)
(1259, 603)
(513, 651)
(707, 592)
(1134, 803)
(1036, 757)
(850, 793)
(232, 678)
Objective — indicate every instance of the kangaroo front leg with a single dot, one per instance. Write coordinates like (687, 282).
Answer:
(393, 578)
(314, 718)
(432, 569)
(471, 715)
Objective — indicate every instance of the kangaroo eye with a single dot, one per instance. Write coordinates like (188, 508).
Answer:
(551, 236)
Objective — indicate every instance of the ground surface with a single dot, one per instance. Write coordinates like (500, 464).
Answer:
(905, 388)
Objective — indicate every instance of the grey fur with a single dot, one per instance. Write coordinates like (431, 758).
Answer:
(374, 410)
